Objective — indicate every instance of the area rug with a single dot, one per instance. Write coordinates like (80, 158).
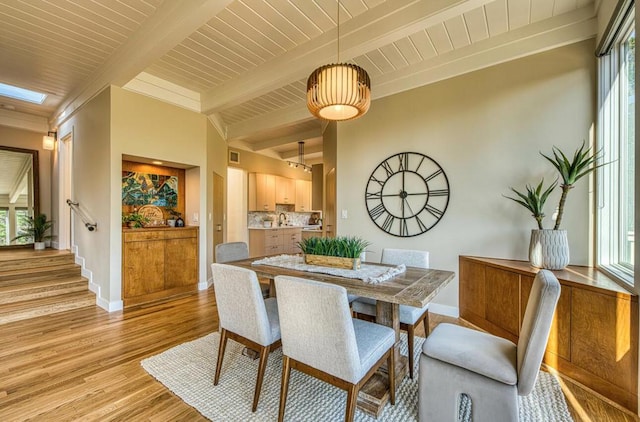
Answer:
(187, 370)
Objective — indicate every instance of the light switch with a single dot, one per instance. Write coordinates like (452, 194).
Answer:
(344, 214)
(195, 217)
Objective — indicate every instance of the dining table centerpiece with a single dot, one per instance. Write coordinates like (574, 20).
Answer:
(340, 252)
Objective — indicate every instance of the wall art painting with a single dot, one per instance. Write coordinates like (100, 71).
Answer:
(149, 189)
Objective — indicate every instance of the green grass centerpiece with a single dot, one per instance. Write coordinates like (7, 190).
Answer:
(340, 252)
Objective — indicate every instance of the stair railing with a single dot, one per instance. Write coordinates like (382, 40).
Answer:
(75, 206)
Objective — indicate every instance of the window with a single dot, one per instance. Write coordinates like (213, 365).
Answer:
(4, 226)
(22, 223)
(616, 138)
(22, 94)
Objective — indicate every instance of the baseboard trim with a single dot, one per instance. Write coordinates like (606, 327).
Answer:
(446, 310)
(204, 286)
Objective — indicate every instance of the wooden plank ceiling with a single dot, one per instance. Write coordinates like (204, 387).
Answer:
(244, 63)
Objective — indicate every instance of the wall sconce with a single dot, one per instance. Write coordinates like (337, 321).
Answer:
(49, 141)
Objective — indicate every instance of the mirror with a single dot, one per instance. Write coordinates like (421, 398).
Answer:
(19, 192)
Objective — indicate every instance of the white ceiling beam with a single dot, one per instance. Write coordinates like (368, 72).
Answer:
(282, 140)
(555, 32)
(24, 121)
(26, 166)
(307, 151)
(172, 22)
(163, 90)
(368, 31)
(287, 116)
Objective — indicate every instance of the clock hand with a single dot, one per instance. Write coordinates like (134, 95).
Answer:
(409, 206)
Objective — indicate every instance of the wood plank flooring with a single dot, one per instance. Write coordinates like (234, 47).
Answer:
(85, 365)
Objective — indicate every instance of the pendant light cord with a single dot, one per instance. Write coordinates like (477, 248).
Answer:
(338, 31)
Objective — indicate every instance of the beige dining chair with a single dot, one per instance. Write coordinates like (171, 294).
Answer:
(245, 317)
(410, 317)
(235, 251)
(490, 370)
(320, 338)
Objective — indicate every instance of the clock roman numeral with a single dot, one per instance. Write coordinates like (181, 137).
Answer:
(380, 182)
(439, 192)
(421, 225)
(433, 211)
(373, 195)
(404, 230)
(433, 175)
(387, 167)
(377, 211)
(388, 222)
(420, 163)
(404, 161)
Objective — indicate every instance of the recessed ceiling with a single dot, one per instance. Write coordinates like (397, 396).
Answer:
(244, 63)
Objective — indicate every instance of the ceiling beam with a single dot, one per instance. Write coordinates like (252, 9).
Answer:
(307, 151)
(282, 140)
(294, 114)
(368, 31)
(171, 23)
(548, 34)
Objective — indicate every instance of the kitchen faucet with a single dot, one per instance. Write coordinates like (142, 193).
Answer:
(281, 219)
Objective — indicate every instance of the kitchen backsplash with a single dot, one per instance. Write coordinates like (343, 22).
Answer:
(256, 218)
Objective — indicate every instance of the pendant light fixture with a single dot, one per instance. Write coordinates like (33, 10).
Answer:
(338, 91)
(300, 163)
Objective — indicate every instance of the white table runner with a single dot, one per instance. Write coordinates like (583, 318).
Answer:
(371, 274)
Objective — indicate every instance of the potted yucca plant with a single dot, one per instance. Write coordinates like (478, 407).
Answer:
(549, 248)
(341, 252)
(37, 228)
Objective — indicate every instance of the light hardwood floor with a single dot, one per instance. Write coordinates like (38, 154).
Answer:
(85, 365)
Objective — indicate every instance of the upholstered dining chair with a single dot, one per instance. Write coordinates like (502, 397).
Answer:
(245, 317)
(235, 251)
(320, 338)
(490, 370)
(410, 317)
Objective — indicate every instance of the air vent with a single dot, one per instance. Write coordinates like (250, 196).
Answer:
(234, 157)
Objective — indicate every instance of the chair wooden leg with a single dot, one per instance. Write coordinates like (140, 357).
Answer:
(262, 365)
(284, 387)
(352, 400)
(221, 348)
(410, 338)
(391, 364)
(425, 321)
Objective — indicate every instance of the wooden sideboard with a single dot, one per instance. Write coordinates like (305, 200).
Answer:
(158, 263)
(594, 337)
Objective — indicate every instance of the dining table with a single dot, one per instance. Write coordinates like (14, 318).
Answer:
(413, 287)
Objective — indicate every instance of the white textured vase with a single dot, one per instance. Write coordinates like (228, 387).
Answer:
(549, 249)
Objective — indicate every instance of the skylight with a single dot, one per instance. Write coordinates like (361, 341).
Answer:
(21, 94)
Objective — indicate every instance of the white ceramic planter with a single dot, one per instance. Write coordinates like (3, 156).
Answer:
(549, 249)
(38, 246)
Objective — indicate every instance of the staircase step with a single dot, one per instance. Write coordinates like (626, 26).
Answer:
(40, 289)
(21, 261)
(42, 274)
(45, 306)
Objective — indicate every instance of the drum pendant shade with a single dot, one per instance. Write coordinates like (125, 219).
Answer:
(338, 92)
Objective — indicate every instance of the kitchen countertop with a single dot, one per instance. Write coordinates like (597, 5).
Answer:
(303, 228)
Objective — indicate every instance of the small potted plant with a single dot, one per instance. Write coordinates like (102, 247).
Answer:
(37, 228)
(267, 221)
(341, 252)
(549, 248)
(134, 220)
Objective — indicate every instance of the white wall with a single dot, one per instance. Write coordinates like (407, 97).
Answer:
(486, 130)
(237, 205)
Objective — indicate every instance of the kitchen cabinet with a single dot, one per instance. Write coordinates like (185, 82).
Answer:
(262, 192)
(285, 190)
(303, 196)
(306, 234)
(283, 240)
(158, 263)
(594, 334)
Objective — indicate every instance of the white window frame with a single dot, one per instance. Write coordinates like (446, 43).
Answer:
(612, 136)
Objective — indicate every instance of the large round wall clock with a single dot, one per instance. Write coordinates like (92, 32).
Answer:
(407, 194)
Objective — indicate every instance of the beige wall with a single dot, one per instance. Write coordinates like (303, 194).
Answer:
(217, 157)
(20, 138)
(486, 130)
(91, 186)
(145, 127)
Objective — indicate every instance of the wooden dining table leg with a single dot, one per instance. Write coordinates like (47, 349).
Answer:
(374, 395)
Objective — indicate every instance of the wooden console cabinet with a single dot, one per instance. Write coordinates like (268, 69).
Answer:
(158, 263)
(594, 337)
